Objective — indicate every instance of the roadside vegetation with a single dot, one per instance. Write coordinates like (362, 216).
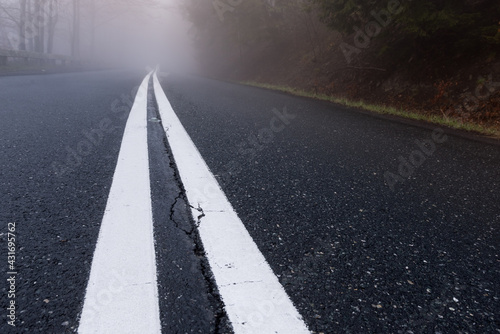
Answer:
(450, 122)
(436, 60)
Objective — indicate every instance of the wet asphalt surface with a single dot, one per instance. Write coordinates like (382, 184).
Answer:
(189, 299)
(355, 254)
(362, 241)
(55, 183)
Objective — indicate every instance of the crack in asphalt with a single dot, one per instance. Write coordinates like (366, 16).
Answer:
(241, 283)
(179, 196)
(192, 233)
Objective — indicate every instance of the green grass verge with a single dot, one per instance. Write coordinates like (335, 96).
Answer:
(382, 109)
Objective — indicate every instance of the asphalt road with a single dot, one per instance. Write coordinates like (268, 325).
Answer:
(55, 195)
(57, 168)
(371, 225)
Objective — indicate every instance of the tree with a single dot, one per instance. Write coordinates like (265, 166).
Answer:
(22, 25)
(53, 13)
(75, 40)
(29, 29)
(458, 25)
(38, 21)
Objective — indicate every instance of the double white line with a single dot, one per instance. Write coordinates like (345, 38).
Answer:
(122, 295)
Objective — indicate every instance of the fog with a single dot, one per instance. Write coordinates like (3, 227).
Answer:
(132, 33)
(319, 45)
(150, 35)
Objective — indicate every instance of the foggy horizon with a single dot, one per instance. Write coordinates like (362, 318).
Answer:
(133, 33)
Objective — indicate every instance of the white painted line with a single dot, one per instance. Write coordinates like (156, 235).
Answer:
(254, 299)
(122, 295)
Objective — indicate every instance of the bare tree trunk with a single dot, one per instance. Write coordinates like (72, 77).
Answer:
(41, 26)
(22, 26)
(53, 18)
(37, 26)
(30, 33)
(75, 46)
(93, 26)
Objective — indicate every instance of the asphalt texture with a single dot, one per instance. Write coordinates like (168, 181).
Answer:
(55, 183)
(358, 250)
(362, 240)
(189, 298)
(61, 136)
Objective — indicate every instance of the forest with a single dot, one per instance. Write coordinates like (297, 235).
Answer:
(437, 58)
(430, 59)
(79, 28)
